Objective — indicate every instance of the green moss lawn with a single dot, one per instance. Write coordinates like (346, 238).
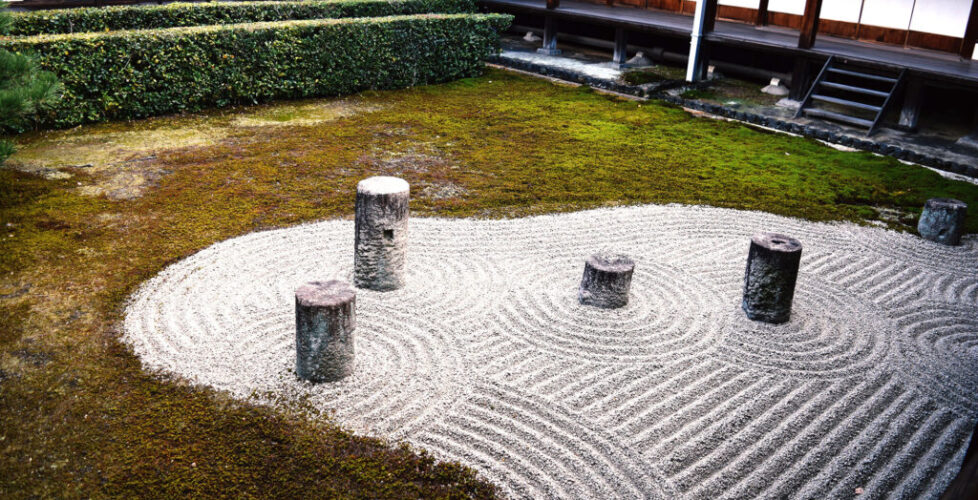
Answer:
(87, 214)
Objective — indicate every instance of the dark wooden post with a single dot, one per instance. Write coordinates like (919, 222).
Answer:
(710, 16)
(970, 33)
(912, 101)
(761, 14)
(704, 20)
(709, 25)
(800, 79)
(549, 37)
(809, 24)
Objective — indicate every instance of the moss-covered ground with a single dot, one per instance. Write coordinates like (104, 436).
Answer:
(78, 418)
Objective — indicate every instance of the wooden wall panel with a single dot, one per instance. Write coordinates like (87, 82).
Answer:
(838, 28)
(670, 5)
(781, 19)
(935, 42)
(882, 35)
(737, 13)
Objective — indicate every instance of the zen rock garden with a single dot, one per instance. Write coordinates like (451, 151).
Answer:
(306, 249)
(473, 332)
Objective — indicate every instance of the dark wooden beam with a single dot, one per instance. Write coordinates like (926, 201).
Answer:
(970, 33)
(801, 79)
(761, 14)
(913, 99)
(549, 37)
(809, 24)
(709, 15)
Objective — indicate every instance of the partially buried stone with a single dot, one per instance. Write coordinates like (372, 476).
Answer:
(769, 283)
(943, 220)
(380, 243)
(325, 317)
(607, 279)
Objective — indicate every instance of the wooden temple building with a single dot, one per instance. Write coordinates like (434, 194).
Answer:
(861, 58)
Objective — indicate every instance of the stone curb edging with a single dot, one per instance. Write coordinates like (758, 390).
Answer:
(644, 91)
(883, 148)
(656, 91)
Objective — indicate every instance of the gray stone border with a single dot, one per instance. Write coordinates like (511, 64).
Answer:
(646, 91)
(815, 132)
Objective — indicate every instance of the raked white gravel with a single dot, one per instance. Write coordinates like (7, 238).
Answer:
(485, 357)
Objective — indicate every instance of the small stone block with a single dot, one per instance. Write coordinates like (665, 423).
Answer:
(380, 244)
(943, 220)
(607, 278)
(325, 317)
(769, 283)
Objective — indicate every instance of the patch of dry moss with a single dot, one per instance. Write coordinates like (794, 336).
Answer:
(119, 156)
(79, 418)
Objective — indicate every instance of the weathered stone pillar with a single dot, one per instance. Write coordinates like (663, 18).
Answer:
(772, 270)
(943, 220)
(607, 278)
(381, 233)
(325, 317)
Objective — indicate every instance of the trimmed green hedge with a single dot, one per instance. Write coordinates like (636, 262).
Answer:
(174, 15)
(135, 74)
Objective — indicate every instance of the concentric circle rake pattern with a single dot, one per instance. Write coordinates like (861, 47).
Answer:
(812, 344)
(486, 356)
(543, 311)
(941, 350)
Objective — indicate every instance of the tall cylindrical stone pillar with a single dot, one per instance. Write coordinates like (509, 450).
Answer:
(943, 220)
(772, 270)
(381, 233)
(607, 279)
(325, 317)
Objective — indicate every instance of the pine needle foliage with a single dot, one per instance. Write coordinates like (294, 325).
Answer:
(24, 89)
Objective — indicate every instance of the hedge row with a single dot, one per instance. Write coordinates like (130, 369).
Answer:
(135, 74)
(201, 14)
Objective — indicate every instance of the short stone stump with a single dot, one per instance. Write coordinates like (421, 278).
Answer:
(380, 244)
(325, 318)
(942, 220)
(769, 283)
(607, 279)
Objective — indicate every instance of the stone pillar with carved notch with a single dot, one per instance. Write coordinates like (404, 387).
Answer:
(380, 245)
